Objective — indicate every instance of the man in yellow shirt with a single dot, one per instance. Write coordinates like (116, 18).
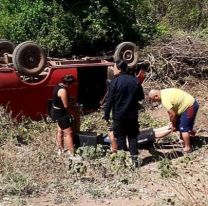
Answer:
(182, 109)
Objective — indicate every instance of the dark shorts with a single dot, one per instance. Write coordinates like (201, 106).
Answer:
(185, 121)
(62, 117)
(65, 122)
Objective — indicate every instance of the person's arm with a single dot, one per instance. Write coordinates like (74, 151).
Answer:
(162, 131)
(173, 119)
(62, 93)
(140, 92)
(110, 100)
(141, 76)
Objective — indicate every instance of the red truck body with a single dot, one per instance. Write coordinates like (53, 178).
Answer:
(29, 98)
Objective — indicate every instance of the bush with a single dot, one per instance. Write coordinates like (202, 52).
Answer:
(20, 132)
(165, 168)
(146, 120)
(17, 184)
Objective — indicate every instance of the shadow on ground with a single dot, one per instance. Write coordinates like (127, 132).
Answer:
(172, 150)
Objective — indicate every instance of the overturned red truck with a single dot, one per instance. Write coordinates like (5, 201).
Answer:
(27, 78)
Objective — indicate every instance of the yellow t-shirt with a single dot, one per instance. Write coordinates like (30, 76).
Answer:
(176, 99)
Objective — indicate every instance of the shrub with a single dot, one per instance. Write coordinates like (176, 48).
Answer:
(17, 183)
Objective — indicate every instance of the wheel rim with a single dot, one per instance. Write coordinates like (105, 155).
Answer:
(128, 55)
(31, 59)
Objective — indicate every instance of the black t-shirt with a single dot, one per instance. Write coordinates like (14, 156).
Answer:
(124, 93)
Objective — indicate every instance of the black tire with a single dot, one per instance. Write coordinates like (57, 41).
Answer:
(6, 47)
(128, 52)
(29, 58)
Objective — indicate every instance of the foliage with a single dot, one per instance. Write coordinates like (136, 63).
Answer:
(22, 132)
(38, 21)
(203, 33)
(94, 27)
(146, 120)
(166, 169)
(104, 24)
(94, 122)
(89, 27)
(187, 14)
(77, 169)
(90, 152)
(17, 184)
(120, 162)
(195, 14)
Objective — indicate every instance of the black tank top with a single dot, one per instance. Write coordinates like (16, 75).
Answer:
(57, 102)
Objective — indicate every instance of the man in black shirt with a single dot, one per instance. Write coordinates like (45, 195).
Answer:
(124, 93)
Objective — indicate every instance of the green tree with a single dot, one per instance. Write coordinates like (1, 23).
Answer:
(78, 26)
(44, 23)
(104, 24)
(184, 14)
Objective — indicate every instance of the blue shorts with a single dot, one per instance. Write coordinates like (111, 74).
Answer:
(185, 121)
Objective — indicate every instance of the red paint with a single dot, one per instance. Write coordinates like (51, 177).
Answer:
(30, 99)
(26, 99)
(141, 76)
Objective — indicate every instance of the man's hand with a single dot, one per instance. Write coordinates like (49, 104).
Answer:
(173, 129)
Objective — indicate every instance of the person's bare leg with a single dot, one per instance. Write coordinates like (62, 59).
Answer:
(114, 146)
(186, 139)
(60, 139)
(68, 136)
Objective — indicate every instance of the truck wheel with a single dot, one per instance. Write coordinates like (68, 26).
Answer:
(6, 47)
(128, 52)
(29, 58)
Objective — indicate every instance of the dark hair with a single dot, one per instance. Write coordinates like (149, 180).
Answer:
(121, 65)
(68, 79)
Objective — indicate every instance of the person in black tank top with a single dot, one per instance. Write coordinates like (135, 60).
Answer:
(60, 114)
(58, 107)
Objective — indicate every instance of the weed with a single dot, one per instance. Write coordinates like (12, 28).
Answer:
(186, 159)
(166, 169)
(145, 121)
(95, 193)
(21, 132)
(120, 161)
(17, 184)
(19, 201)
(77, 169)
(90, 152)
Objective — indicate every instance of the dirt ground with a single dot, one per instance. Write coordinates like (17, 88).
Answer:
(188, 187)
